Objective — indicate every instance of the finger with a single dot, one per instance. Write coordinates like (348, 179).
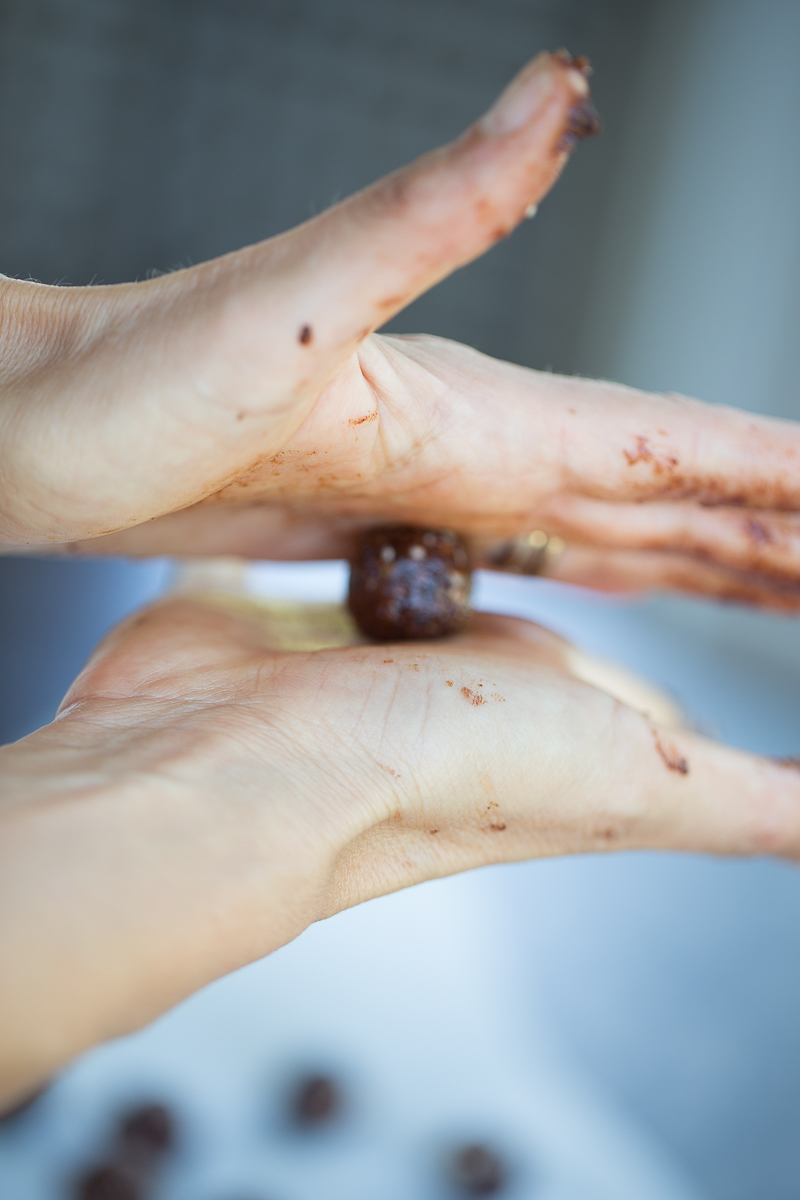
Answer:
(610, 570)
(528, 436)
(754, 541)
(459, 439)
(760, 541)
(348, 270)
(285, 534)
(324, 286)
(369, 256)
(254, 531)
(671, 446)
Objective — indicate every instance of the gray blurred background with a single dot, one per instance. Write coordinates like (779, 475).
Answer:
(142, 135)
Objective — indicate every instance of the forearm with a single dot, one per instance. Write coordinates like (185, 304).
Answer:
(125, 888)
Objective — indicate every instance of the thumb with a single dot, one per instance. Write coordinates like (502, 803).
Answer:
(347, 271)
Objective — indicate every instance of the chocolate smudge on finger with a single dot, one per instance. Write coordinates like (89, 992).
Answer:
(671, 757)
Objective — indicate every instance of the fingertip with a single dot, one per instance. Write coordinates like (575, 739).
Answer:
(397, 239)
(529, 93)
(523, 98)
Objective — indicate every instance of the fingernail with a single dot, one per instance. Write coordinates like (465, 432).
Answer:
(530, 91)
(526, 93)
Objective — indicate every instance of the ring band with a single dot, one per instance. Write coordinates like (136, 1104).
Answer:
(530, 554)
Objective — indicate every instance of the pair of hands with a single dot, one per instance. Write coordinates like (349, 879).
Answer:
(203, 796)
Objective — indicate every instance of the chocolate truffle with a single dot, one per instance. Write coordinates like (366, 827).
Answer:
(150, 1128)
(407, 582)
(146, 1134)
(477, 1171)
(316, 1099)
(108, 1183)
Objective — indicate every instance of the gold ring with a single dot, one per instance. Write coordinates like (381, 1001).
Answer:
(530, 554)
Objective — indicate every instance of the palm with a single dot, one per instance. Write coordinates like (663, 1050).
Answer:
(402, 743)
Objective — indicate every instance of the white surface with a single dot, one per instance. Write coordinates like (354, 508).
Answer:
(407, 1000)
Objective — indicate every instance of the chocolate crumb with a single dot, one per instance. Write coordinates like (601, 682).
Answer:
(642, 453)
(584, 121)
(305, 335)
(758, 531)
(670, 756)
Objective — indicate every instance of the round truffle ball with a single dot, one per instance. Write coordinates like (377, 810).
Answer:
(146, 1134)
(478, 1171)
(408, 582)
(317, 1099)
(108, 1183)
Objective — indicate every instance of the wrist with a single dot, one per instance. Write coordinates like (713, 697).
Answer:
(132, 876)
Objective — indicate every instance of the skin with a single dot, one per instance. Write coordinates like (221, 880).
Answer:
(205, 793)
(245, 406)
(203, 797)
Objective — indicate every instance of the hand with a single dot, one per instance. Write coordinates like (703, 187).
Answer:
(203, 797)
(242, 407)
